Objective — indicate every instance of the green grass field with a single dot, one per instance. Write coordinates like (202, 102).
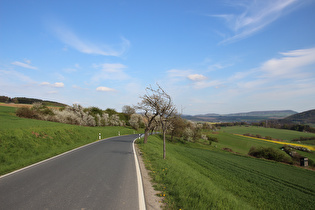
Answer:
(26, 141)
(196, 176)
(243, 144)
(282, 134)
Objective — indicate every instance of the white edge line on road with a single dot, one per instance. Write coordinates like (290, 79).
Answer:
(43, 161)
(139, 178)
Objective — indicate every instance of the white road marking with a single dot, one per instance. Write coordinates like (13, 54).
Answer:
(139, 178)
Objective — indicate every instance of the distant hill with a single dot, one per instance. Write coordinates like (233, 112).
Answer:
(254, 116)
(307, 117)
(24, 100)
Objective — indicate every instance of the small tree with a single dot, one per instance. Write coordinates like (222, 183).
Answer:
(167, 112)
(136, 121)
(150, 105)
(128, 110)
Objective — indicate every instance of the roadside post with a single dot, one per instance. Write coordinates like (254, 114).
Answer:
(118, 133)
(99, 136)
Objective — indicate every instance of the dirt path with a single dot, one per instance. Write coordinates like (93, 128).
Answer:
(153, 202)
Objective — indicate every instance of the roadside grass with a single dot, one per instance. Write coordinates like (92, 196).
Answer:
(205, 177)
(26, 141)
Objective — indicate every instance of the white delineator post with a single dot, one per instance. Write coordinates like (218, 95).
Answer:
(99, 136)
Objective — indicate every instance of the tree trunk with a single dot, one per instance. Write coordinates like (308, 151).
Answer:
(164, 149)
(146, 134)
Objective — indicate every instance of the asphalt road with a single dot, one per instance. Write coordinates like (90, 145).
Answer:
(99, 176)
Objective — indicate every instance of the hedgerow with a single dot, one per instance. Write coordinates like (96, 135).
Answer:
(74, 115)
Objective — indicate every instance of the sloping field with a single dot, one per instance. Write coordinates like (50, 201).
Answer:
(282, 143)
(26, 141)
(208, 178)
(283, 134)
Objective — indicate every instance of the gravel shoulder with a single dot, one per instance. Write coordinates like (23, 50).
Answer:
(153, 202)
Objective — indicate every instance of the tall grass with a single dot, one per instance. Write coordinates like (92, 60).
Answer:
(208, 178)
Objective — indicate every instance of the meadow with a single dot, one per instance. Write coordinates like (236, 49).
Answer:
(26, 141)
(242, 144)
(196, 176)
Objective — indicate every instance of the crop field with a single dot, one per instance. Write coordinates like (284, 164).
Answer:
(282, 134)
(242, 144)
(26, 141)
(209, 178)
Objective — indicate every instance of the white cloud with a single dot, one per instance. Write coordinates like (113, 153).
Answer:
(196, 77)
(110, 71)
(15, 76)
(105, 89)
(255, 16)
(70, 38)
(45, 83)
(205, 84)
(24, 65)
(197, 81)
(56, 84)
(291, 65)
(176, 73)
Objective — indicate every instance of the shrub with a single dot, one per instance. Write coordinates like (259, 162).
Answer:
(268, 138)
(26, 113)
(188, 134)
(214, 139)
(269, 153)
(135, 121)
(227, 149)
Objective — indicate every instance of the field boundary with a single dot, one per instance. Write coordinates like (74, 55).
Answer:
(280, 142)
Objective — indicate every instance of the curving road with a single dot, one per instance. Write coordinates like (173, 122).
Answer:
(101, 175)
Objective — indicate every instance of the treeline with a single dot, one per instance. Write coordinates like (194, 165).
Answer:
(24, 100)
(279, 124)
(182, 130)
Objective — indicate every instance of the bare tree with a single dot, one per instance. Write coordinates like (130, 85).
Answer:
(167, 112)
(157, 104)
(150, 105)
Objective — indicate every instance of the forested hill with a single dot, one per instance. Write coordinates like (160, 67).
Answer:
(24, 100)
(307, 117)
(255, 116)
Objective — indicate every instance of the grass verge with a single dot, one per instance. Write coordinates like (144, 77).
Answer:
(208, 178)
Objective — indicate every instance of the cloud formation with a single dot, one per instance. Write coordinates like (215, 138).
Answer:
(105, 89)
(110, 71)
(255, 16)
(24, 65)
(290, 65)
(68, 37)
(56, 84)
(196, 77)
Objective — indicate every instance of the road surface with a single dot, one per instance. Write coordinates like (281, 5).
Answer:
(98, 176)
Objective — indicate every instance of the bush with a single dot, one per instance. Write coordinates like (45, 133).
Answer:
(214, 139)
(269, 153)
(26, 113)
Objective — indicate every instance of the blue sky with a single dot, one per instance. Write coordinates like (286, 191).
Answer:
(220, 56)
